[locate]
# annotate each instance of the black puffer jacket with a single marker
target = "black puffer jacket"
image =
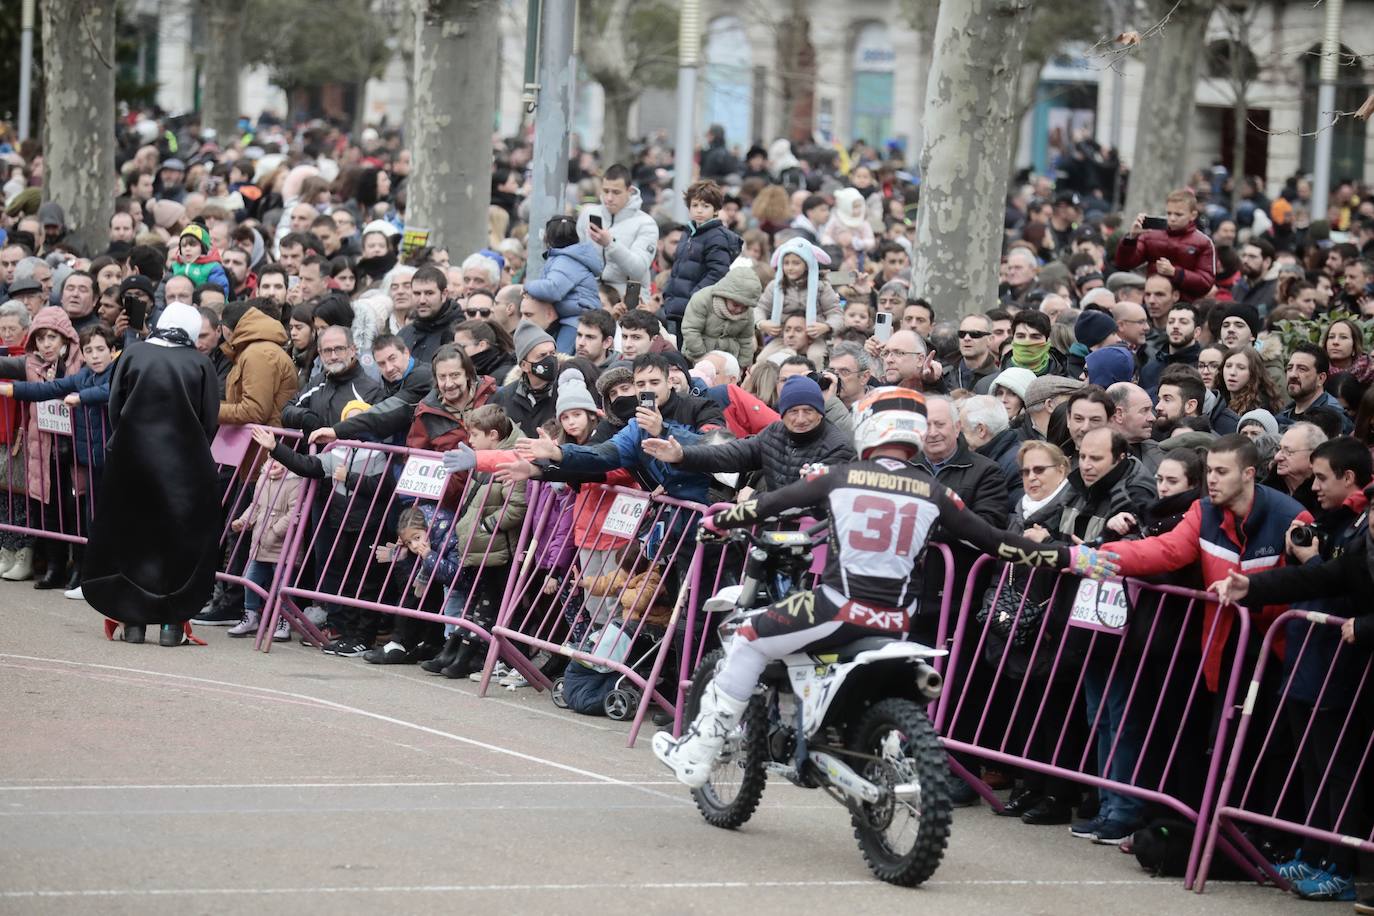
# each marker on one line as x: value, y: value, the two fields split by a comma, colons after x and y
x: 424, y: 336
x: 774, y: 451
x: 703, y: 257
x: 390, y: 417
x: 322, y: 402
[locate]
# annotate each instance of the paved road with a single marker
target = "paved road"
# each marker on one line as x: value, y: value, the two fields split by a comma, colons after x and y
x: 137, y: 779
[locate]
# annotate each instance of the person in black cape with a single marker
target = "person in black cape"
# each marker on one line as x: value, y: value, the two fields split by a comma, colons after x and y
x: 154, y: 540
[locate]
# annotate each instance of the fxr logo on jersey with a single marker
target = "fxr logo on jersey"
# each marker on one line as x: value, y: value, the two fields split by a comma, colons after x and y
x: 872, y: 618
x: 1028, y: 558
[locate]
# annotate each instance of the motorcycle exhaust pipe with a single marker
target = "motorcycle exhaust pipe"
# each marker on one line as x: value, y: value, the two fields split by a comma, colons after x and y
x: 929, y: 681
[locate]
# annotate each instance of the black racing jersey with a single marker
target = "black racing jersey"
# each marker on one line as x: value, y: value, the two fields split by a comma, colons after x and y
x: 881, y: 515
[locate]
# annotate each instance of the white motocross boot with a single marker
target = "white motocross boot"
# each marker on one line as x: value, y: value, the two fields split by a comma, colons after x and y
x: 692, y: 756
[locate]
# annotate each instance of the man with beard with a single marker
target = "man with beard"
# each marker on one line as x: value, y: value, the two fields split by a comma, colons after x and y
x: 1260, y: 282
x: 433, y: 315
x: 153, y: 547
x: 343, y: 380
x: 1181, y: 395
x: 1178, y: 348
x: 242, y: 283
x: 1307, y: 369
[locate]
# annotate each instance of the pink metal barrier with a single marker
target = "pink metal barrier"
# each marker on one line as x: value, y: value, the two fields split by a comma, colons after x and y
x: 344, y: 550
x: 1308, y: 777
x: 52, y: 453
x: 251, y: 506
x: 602, y: 579
x: 1099, y: 684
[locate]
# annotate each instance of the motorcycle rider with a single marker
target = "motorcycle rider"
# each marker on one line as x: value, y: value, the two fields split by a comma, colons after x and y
x: 881, y: 510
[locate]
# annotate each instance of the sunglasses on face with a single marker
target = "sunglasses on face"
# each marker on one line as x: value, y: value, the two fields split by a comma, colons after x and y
x: 974, y: 335
x: 1035, y: 470
x: 477, y: 313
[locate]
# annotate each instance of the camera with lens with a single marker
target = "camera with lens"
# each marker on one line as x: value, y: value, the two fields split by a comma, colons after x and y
x: 1304, y: 536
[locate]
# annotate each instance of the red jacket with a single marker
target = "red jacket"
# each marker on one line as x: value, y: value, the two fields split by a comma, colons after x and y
x: 1213, y: 538
x: 1190, y: 251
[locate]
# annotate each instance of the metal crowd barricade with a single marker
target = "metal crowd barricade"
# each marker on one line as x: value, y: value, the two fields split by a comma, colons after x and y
x: 340, y: 564
x: 244, y: 489
x: 629, y: 546
x: 1021, y: 677
x: 50, y: 475
x: 1310, y: 773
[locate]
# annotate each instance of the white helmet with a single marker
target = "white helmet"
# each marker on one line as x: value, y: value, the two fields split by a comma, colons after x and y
x: 889, y: 416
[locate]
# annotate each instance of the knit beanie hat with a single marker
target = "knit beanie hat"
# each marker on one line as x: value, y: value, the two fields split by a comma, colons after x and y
x: 528, y: 335
x: 1093, y: 327
x: 573, y: 393
x: 1110, y: 365
x: 800, y: 391
x: 1247, y: 313
x: 200, y: 234
x: 1264, y: 418
x: 617, y: 373
x: 1016, y: 380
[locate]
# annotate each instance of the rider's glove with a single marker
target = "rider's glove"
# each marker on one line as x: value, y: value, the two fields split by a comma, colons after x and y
x: 1093, y: 563
x: 462, y: 458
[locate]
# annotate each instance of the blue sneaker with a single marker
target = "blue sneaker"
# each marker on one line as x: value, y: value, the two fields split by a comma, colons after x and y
x: 1112, y: 832
x: 1086, y: 830
x: 1295, y: 869
x: 1326, y: 885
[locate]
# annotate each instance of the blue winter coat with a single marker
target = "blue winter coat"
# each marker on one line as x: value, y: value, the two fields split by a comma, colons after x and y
x: 625, y: 450
x: 569, y: 280
x: 703, y: 257
x: 441, y: 565
x: 90, y: 421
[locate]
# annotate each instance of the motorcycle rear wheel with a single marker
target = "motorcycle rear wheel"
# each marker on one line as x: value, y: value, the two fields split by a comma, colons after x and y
x: 732, y: 794
x: 900, y: 854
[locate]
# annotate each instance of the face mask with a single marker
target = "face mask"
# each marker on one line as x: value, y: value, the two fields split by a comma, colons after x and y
x: 545, y: 368
x: 623, y: 408
x: 1032, y: 356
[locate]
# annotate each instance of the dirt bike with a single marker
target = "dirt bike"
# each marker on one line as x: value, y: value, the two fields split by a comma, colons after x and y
x: 850, y: 721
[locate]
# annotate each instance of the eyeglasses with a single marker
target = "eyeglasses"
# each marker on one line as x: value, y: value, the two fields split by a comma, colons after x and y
x: 477, y: 313
x: 1290, y: 452
x: 1212, y: 366
x: 1133, y: 321
x: 974, y: 335
x: 334, y: 351
x: 844, y: 373
x: 898, y: 354
x: 1036, y: 470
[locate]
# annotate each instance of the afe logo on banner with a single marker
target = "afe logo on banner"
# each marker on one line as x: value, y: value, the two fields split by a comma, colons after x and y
x: 53, y: 417
x: 422, y: 477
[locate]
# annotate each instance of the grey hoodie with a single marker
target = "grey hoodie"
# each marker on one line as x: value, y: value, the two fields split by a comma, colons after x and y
x: 634, y: 245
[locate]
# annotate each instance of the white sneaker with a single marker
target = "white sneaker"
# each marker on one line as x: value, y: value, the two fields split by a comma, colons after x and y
x: 498, y: 674
x: 514, y: 680
x: 74, y: 594
x: 692, y: 756
x: 316, y: 615
x: 247, y: 625
x: 283, y: 631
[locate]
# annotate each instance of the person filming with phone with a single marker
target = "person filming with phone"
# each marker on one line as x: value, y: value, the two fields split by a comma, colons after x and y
x: 1172, y: 246
x: 662, y: 414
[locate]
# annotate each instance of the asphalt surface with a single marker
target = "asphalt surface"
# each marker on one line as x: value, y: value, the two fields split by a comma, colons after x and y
x: 138, y: 779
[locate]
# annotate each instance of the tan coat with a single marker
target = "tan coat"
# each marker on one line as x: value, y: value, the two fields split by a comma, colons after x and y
x: 263, y: 379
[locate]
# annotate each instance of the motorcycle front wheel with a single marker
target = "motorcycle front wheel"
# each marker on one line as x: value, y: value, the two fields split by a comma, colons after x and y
x: 902, y: 839
x: 731, y: 795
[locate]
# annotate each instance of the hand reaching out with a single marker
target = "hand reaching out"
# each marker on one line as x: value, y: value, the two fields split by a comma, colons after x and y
x: 264, y: 438
x: 668, y: 450
x: 1231, y: 589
